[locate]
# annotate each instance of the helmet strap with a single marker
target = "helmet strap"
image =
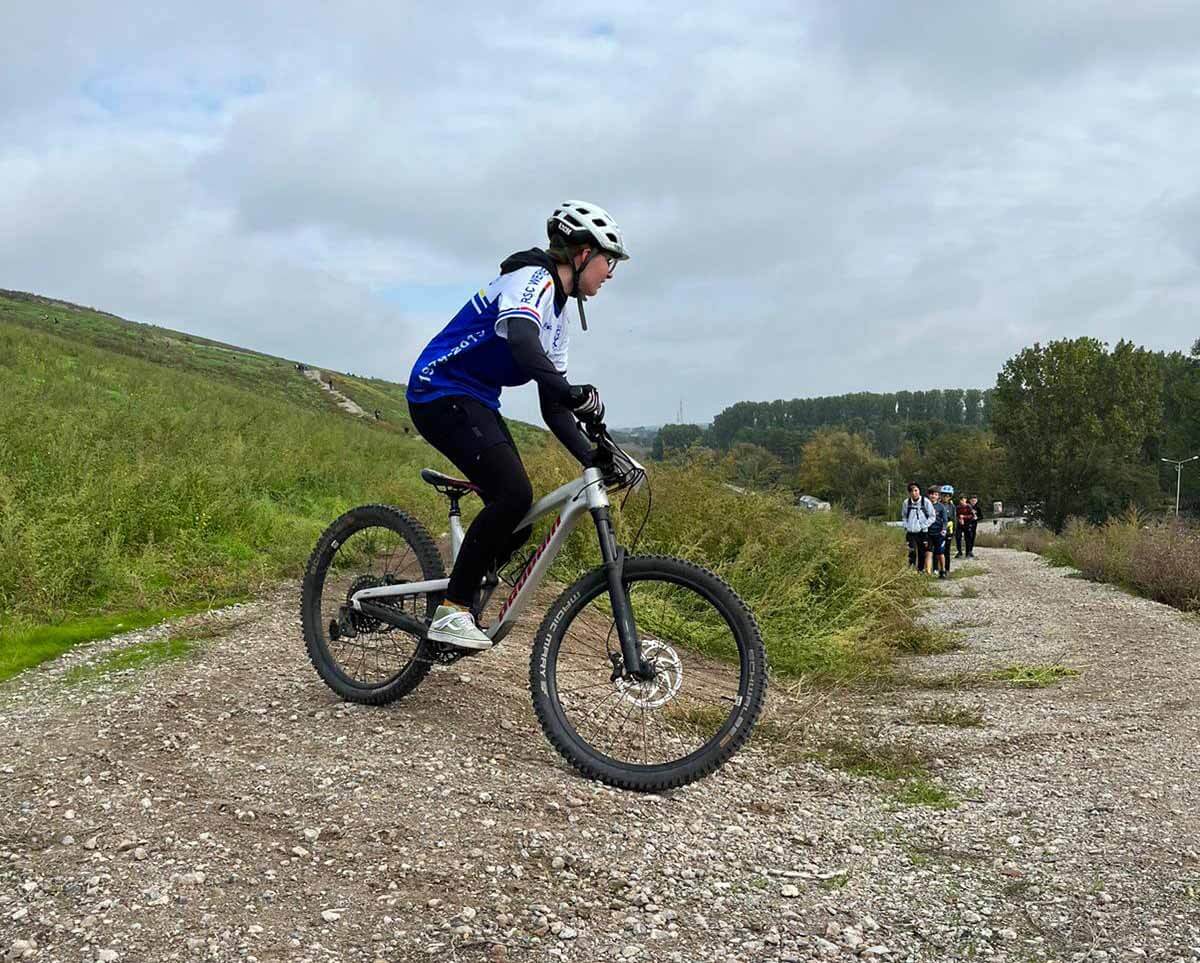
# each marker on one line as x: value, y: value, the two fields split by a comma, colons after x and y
x: 576, y: 271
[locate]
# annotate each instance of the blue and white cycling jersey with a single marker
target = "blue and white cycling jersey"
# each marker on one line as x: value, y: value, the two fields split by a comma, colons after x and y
x: 470, y: 357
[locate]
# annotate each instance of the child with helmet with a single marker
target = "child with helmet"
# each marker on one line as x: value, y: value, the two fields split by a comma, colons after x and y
x: 512, y: 331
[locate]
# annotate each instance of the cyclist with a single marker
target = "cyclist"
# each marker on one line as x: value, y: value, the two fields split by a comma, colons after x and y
x: 511, y: 332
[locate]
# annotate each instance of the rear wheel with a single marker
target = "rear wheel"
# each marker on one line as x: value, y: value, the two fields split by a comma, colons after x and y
x: 359, y: 657
x: 708, y: 689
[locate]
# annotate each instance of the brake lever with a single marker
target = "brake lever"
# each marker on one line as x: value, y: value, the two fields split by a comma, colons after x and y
x: 595, y: 430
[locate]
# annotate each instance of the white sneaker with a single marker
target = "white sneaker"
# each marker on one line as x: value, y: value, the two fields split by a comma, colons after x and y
x: 457, y: 628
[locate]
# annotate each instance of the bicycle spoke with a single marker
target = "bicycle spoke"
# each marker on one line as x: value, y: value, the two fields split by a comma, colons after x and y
x: 689, y: 702
x: 372, y: 556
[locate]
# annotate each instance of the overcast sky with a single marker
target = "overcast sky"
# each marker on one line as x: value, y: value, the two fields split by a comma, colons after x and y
x: 818, y: 197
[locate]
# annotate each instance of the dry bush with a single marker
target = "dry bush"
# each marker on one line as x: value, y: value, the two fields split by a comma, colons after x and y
x: 1026, y: 538
x: 1165, y: 564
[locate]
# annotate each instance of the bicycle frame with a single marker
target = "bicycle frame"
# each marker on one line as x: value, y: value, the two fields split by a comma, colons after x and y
x: 571, y: 501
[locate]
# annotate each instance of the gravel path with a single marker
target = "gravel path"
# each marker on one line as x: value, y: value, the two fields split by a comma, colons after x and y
x: 224, y: 806
x: 346, y: 404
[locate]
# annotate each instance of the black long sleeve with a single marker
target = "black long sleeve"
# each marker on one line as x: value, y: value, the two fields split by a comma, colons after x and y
x: 554, y: 391
x: 527, y: 352
x: 559, y: 420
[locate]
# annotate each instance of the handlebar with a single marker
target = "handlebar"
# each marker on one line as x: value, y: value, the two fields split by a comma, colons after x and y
x: 621, y: 470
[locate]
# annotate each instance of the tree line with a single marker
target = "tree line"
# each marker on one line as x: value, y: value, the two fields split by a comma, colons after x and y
x: 1070, y: 428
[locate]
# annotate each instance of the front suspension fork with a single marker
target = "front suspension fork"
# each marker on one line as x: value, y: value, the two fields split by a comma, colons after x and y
x: 613, y: 556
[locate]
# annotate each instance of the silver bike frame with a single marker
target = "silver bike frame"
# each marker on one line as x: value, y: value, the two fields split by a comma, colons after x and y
x: 571, y: 501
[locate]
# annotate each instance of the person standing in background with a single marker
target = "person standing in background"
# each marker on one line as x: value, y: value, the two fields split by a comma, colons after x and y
x: 937, y: 532
x: 917, y: 513
x: 963, y: 514
x: 973, y: 525
x: 947, y: 504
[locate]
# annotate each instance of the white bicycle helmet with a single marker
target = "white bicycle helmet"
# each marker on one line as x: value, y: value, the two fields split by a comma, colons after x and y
x: 580, y: 222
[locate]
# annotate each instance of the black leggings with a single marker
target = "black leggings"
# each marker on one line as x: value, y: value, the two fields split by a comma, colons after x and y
x: 476, y: 439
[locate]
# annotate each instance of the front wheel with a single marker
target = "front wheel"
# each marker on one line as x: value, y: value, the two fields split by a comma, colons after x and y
x: 709, y: 685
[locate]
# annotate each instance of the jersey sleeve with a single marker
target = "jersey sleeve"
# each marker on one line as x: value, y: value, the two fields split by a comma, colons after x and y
x: 526, y: 294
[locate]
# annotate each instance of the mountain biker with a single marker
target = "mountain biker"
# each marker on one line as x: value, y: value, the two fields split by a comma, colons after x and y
x: 511, y: 332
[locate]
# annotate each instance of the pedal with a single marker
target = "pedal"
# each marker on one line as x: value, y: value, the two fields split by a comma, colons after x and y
x: 447, y: 654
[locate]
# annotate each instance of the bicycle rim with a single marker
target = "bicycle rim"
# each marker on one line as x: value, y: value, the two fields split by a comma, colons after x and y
x: 360, y: 652
x: 705, y: 696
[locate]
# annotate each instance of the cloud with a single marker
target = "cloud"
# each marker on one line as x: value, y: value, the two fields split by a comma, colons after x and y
x: 819, y: 198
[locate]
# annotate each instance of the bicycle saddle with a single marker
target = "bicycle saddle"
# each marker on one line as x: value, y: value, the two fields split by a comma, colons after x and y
x: 447, y: 485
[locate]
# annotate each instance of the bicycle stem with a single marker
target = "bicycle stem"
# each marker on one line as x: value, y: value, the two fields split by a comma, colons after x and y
x: 614, y: 564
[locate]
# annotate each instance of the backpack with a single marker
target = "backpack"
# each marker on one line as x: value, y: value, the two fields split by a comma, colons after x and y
x: 924, y: 501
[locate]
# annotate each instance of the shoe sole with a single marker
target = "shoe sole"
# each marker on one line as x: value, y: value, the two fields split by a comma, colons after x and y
x: 435, y: 636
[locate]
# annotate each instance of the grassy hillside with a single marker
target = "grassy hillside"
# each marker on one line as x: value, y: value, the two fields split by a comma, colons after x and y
x: 145, y: 472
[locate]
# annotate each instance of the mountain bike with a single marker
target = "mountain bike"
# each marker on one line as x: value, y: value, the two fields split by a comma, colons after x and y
x: 647, y: 673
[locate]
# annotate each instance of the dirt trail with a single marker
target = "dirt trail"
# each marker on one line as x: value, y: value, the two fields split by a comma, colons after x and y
x: 226, y: 807
x: 343, y: 402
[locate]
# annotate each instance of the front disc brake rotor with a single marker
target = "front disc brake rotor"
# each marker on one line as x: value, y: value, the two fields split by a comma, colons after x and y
x: 668, y: 677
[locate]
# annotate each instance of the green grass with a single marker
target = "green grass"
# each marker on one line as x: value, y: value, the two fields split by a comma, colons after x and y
x: 23, y: 648
x: 141, y: 656
x: 921, y: 791
x: 1032, y: 676
x: 969, y: 592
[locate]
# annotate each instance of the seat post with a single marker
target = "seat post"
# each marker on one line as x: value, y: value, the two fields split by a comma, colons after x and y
x: 456, y: 529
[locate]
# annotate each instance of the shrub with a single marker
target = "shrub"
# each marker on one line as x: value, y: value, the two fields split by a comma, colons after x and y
x: 1165, y: 565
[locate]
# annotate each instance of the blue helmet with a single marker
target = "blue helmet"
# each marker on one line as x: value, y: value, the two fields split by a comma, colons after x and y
x: 947, y: 489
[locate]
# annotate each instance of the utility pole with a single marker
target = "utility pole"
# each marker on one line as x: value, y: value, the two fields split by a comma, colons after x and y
x: 1178, y: 475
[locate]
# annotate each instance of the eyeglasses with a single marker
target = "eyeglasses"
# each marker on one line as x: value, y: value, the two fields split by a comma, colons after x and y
x: 612, y: 262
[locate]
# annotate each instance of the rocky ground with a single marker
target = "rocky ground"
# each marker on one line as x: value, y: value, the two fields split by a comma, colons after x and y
x: 224, y: 806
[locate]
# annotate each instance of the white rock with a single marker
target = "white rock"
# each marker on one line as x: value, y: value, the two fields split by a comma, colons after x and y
x: 107, y: 956
x: 789, y: 891
x: 330, y: 916
x: 566, y: 933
